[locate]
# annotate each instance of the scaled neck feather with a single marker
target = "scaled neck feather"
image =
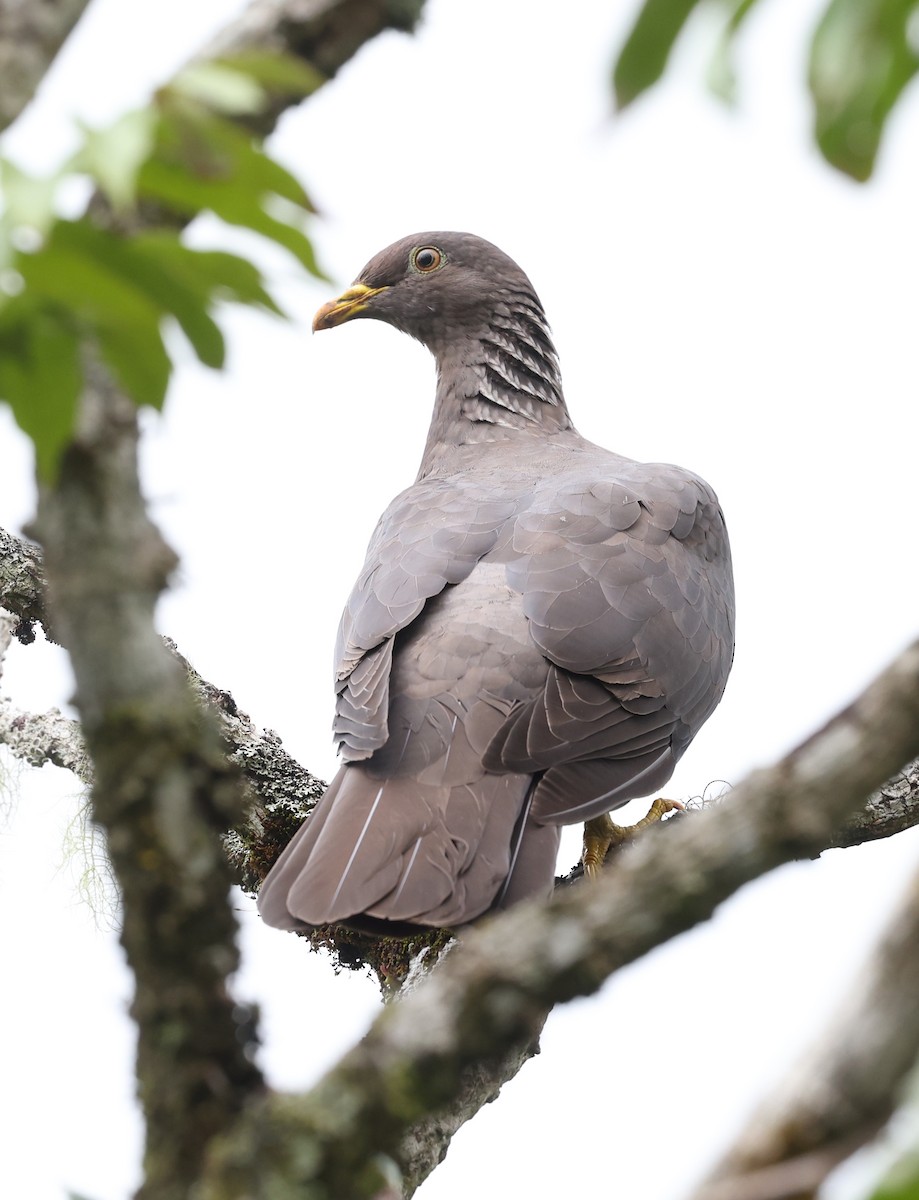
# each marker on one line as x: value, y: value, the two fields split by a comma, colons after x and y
x: 496, y: 382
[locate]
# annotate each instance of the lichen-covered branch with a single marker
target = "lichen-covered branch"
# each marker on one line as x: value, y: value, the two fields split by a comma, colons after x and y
x: 278, y: 781
x: 496, y: 988
x: 49, y: 737
x: 37, y: 738
x: 31, y: 33
x: 426, y: 1143
x: 841, y: 1093
x: 280, y: 793
x: 891, y: 809
x: 163, y: 791
x: 22, y: 584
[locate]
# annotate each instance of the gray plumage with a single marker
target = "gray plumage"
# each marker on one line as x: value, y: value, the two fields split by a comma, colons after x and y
x: 540, y: 628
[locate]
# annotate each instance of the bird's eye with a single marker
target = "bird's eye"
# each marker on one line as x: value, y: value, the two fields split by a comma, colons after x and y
x: 426, y: 259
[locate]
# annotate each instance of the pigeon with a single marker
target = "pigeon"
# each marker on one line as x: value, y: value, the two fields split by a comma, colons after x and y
x: 539, y: 630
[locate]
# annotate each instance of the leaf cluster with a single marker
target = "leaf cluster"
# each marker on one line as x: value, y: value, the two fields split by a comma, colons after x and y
x: 863, y: 53
x: 107, y: 283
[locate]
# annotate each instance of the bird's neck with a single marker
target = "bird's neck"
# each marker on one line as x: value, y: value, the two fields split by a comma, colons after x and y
x: 496, y: 384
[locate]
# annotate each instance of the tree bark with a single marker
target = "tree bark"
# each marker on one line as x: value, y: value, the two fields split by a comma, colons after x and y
x: 163, y: 792
x: 843, y: 1090
x: 31, y: 33
x: 282, y: 793
x: 497, y: 986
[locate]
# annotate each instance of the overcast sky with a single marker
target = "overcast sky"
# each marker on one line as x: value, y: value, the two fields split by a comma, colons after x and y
x: 720, y: 299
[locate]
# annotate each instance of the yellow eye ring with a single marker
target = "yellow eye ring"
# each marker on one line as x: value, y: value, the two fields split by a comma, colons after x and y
x: 426, y: 259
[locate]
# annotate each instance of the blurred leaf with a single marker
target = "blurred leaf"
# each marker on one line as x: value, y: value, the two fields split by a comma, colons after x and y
x: 722, y: 77
x: 138, y: 358
x: 213, y: 149
x: 902, y: 1182
x: 182, y: 292
x: 27, y: 200
x: 205, y: 163
x: 642, y: 59
x: 40, y: 378
x: 113, y: 156
x: 861, y: 60
x: 70, y: 274
x: 65, y: 283
x: 7, y: 249
x: 221, y: 87
x: 159, y: 276
x: 897, y: 1149
x: 67, y: 273
x: 225, y: 276
x: 280, y: 74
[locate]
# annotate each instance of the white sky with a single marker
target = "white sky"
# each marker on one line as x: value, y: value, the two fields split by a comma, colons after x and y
x: 720, y: 299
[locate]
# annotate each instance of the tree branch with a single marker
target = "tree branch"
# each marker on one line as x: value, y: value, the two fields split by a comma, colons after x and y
x: 843, y: 1091
x: 425, y: 1145
x: 325, y: 34
x: 891, y: 809
x: 279, y: 780
x: 22, y: 584
x: 499, y: 984
x: 31, y: 33
x: 163, y: 791
x: 39, y: 738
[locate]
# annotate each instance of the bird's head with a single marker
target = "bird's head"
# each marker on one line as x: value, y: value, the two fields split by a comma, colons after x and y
x: 434, y: 286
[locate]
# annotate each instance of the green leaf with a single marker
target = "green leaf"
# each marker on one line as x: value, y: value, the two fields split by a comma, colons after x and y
x: 41, y: 379
x: 164, y: 279
x: 7, y: 250
x: 28, y: 201
x: 113, y: 156
x: 66, y: 273
x: 722, y: 77
x: 211, y: 148
x: 138, y: 358
x: 224, y: 276
x: 221, y: 87
x: 205, y: 163
x: 902, y: 1181
x: 280, y: 74
x: 861, y: 60
x: 69, y: 274
x: 642, y: 59
x: 236, y: 206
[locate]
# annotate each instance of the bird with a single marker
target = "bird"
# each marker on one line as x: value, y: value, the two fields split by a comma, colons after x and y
x: 540, y: 628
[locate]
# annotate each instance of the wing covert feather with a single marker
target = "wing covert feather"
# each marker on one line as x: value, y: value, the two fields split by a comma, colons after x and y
x: 431, y: 536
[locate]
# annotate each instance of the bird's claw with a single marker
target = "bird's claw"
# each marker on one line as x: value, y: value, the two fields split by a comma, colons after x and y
x: 601, y: 834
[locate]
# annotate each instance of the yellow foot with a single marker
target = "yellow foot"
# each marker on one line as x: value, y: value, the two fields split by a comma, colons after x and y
x: 601, y: 834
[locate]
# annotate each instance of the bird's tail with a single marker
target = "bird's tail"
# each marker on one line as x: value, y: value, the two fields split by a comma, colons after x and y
x: 399, y: 850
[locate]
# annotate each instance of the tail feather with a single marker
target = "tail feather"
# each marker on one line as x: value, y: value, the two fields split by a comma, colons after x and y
x: 398, y: 850
x: 272, y: 897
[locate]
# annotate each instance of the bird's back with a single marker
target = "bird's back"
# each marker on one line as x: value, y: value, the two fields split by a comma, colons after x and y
x: 530, y: 643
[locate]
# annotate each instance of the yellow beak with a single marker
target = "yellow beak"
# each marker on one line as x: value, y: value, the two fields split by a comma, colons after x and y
x: 349, y: 304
